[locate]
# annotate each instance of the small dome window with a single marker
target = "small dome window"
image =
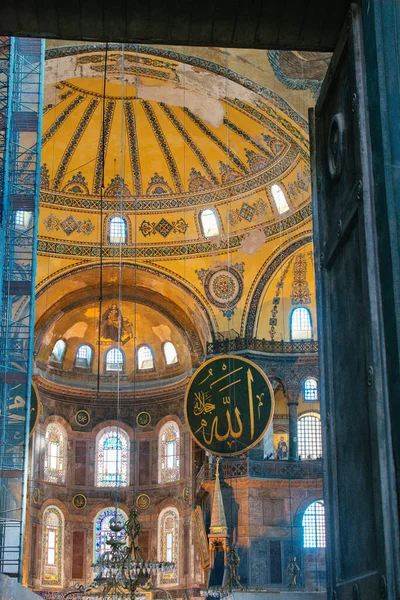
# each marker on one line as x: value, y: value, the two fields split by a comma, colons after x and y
x: 209, y: 223
x: 171, y: 356
x: 117, y: 232
x: 83, y: 356
x: 279, y: 197
x: 145, y: 358
x: 114, y: 360
x: 58, y: 352
x: 310, y: 390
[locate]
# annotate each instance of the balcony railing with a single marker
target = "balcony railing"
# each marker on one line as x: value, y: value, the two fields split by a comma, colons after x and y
x: 269, y: 346
x: 261, y: 469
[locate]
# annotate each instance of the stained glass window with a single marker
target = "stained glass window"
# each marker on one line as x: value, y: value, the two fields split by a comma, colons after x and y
x: 83, y: 356
x: 102, y: 528
x: 117, y: 230
x: 145, y: 358
x: 171, y: 356
x: 54, y: 456
x: 168, y: 535
x: 314, y: 525
x: 58, y: 351
x: 280, y: 199
x: 112, y: 458
x: 114, y: 360
x: 209, y: 223
x: 169, y: 453
x: 52, y: 546
x: 309, y: 437
x: 310, y: 390
x: 300, y: 323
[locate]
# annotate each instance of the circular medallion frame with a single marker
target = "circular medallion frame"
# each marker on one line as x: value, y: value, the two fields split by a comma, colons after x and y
x: 207, y: 407
x: 79, y: 501
x: 143, y: 418
x: 82, y: 418
x: 143, y: 501
x: 336, y: 145
x: 223, y: 287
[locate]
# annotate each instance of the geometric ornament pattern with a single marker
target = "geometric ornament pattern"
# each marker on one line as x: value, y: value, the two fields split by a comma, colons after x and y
x: 223, y: 286
x: 247, y: 212
x: 163, y: 227
x: 68, y: 225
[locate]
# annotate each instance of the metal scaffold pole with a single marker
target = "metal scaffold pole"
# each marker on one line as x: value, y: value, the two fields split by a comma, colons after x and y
x: 21, y: 100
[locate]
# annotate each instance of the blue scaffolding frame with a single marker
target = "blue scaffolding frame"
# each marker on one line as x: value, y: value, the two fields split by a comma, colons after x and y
x: 21, y: 101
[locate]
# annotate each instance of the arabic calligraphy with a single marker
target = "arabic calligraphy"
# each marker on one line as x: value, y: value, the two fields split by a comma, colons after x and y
x: 229, y: 405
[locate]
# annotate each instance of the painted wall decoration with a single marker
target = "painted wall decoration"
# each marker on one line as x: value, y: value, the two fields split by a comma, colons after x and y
x: 300, y: 291
x: 229, y: 404
x: 201, y: 537
x: 68, y: 225
x: 163, y: 227
x: 223, y: 286
x: 114, y: 326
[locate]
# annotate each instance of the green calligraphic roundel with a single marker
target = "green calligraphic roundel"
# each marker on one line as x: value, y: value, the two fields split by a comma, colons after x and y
x: 229, y: 405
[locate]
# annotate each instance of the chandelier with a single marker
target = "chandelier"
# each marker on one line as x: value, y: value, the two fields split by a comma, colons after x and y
x: 121, y: 572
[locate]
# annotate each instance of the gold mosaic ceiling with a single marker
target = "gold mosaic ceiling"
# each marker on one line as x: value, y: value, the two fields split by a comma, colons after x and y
x: 177, y: 136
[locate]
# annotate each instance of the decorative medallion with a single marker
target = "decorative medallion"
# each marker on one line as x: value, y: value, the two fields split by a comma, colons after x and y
x: 229, y: 405
x: 143, y: 501
x: 186, y: 493
x: 79, y: 501
x: 35, y: 410
x: 36, y: 495
x: 82, y: 417
x: 336, y: 145
x: 143, y: 419
x: 223, y: 286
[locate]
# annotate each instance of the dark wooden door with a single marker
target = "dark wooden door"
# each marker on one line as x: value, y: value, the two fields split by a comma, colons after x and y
x: 358, y: 470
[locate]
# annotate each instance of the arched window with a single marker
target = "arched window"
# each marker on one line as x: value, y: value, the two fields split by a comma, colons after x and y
x: 83, y: 357
x: 52, y: 546
x: 309, y: 437
x: 102, y: 529
x: 145, y: 358
x: 112, y: 454
x: 55, y: 454
x: 314, y: 525
x: 300, y: 324
x: 117, y: 230
x: 171, y: 356
x: 280, y: 199
x: 209, y: 223
x: 58, y: 352
x: 115, y: 360
x: 310, y: 390
x: 168, y: 445
x: 168, y: 544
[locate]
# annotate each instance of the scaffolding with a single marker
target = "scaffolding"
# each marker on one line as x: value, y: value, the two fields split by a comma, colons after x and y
x: 21, y: 99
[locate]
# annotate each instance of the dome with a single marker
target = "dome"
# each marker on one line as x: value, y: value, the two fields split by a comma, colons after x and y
x: 176, y: 135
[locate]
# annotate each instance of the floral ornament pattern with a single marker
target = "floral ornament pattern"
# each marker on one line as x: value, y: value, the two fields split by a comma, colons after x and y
x: 223, y: 286
x: 68, y: 225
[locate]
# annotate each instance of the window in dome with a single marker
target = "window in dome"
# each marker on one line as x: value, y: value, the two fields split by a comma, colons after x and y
x: 310, y: 437
x: 115, y: 360
x: 117, y: 233
x: 112, y: 458
x: 102, y: 529
x: 168, y: 536
x: 314, y: 525
x: 54, y: 457
x: 58, y: 351
x: 145, y: 358
x: 52, y: 546
x: 169, y: 453
x: 83, y: 356
x: 301, y: 324
x: 280, y: 199
x: 209, y: 223
x: 171, y: 356
x: 310, y: 390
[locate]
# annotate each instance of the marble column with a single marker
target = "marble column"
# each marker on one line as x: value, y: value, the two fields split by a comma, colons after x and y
x: 292, y: 397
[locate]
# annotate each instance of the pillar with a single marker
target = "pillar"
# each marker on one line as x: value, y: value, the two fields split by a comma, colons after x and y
x: 292, y: 402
